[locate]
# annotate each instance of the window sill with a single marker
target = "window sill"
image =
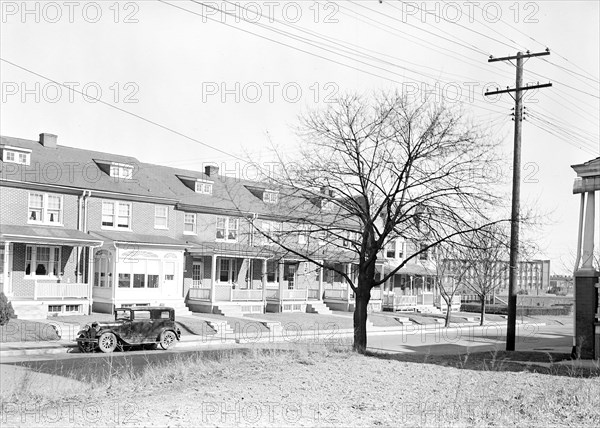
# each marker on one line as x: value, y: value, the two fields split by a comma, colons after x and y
x: 189, y: 233
x: 43, y: 277
x: 122, y: 229
x: 43, y: 223
x: 161, y: 228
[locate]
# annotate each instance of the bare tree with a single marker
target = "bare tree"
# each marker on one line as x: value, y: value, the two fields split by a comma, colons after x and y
x: 378, y: 168
x: 451, y: 268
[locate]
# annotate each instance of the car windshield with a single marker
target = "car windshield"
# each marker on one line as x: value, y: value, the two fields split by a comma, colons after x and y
x: 122, y: 315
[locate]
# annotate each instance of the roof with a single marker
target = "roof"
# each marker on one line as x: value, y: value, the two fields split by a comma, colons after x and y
x: 137, y: 238
x: 79, y: 169
x: 47, y: 235
x: 230, y: 249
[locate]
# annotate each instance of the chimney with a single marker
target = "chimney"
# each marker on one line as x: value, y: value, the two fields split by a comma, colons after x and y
x: 211, y: 170
x: 48, y: 140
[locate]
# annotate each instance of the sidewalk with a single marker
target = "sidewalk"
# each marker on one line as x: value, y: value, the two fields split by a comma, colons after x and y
x: 276, y: 334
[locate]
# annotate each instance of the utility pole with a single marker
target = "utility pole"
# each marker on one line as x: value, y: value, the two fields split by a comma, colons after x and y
x: 516, y: 186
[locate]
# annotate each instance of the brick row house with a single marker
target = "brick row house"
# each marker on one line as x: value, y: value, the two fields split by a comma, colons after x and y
x: 83, y: 230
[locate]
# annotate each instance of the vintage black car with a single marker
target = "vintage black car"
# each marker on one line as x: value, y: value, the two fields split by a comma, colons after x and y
x: 141, y: 325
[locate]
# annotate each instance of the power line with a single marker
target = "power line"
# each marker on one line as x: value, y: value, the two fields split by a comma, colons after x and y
x: 166, y: 128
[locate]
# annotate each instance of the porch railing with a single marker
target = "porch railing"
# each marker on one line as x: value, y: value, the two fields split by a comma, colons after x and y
x: 336, y: 293
x: 440, y: 302
x: 200, y: 293
x: 275, y: 294
x: 425, y: 299
x: 247, y: 294
x: 60, y: 290
x: 376, y: 294
x: 399, y: 300
x: 313, y: 294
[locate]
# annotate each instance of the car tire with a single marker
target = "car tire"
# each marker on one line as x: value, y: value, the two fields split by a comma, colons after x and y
x: 167, y: 339
x: 107, y: 342
x: 85, y: 346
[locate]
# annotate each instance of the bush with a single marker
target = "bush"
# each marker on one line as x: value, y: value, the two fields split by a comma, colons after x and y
x: 521, y: 310
x: 6, y: 310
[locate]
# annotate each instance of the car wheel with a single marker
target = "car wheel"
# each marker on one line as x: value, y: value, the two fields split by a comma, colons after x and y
x: 107, y: 342
x: 84, y: 346
x: 167, y: 338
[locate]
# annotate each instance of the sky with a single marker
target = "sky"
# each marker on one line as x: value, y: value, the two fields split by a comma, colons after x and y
x: 184, y: 83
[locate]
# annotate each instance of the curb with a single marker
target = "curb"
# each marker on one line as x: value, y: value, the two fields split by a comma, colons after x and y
x: 270, y: 337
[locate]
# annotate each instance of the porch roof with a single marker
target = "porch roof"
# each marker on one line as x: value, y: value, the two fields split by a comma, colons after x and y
x: 230, y: 249
x: 120, y: 237
x: 415, y: 269
x: 48, y: 235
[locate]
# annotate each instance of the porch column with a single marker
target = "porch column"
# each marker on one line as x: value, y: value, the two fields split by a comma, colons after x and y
x: 90, y: 279
x: 7, y: 268
x: 588, y: 234
x: 263, y: 280
x: 321, y: 269
x: 281, y: 271
x: 348, y: 270
x: 213, y: 276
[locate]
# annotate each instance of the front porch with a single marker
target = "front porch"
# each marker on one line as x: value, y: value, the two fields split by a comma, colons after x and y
x: 44, y: 270
x: 233, y: 279
x: 338, y: 295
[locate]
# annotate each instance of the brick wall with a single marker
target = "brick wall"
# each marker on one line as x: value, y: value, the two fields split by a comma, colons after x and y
x: 15, y: 203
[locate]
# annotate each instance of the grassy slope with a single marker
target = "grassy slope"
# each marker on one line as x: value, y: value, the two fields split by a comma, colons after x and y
x: 27, y: 331
x: 331, y: 387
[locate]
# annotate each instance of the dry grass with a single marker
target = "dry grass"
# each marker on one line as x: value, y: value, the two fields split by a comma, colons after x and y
x: 309, y: 385
x: 27, y: 331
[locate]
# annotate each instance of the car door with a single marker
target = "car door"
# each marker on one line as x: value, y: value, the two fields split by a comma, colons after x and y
x: 141, y: 326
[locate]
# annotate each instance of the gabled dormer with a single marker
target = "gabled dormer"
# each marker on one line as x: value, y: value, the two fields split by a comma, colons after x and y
x: 117, y: 170
x: 268, y: 196
x: 198, y: 185
x: 18, y: 155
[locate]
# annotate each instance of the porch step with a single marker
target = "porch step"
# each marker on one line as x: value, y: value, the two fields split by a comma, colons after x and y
x: 30, y: 310
x: 228, y: 311
x: 221, y: 328
x: 317, y: 307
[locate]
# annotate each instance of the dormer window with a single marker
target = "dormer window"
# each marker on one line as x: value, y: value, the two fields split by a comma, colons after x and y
x: 16, y: 155
x: 204, y: 186
x: 121, y: 170
x: 326, y: 205
x: 270, y: 196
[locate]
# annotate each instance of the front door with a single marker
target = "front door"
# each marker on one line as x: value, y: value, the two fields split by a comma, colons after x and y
x: 290, y: 275
x: 170, y: 279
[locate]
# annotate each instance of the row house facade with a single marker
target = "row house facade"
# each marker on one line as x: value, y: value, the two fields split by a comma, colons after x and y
x: 83, y: 230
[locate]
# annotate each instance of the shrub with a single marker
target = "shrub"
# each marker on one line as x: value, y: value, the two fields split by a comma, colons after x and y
x: 6, y: 310
x: 521, y: 310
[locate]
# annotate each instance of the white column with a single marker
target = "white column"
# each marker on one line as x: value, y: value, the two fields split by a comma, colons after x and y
x: 213, y: 276
x: 588, y: 234
x: 321, y: 269
x: 7, y: 269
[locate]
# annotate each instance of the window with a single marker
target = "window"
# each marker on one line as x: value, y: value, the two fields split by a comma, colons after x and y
x: 141, y: 315
x: 116, y: 215
x: 227, y: 270
x: 16, y: 155
x: 424, y: 255
x: 54, y: 308
x: 121, y: 170
x: 204, y: 186
x: 270, y: 197
x: 124, y: 280
x: 45, y: 208
x: 152, y: 281
x: 189, y: 223
x: 161, y: 213
x: 139, y: 280
x: 301, y: 239
x: 272, y: 271
x: 72, y: 308
x: 227, y: 228
x: 390, y: 251
x: 42, y: 261
x: 272, y: 230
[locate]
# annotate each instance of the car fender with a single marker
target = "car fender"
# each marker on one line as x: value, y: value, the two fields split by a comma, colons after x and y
x: 110, y: 330
x: 174, y: 330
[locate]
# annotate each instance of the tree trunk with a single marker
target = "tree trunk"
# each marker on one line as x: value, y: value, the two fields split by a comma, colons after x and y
x: 448, y: 307
x: 360, y: 321
x: 482, y: 313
